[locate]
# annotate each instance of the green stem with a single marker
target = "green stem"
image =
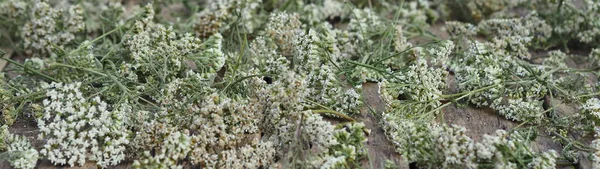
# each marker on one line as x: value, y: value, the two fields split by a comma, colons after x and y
x: 149, y: 102
x: 30, y: 95
x: 588, y: 95
x: 242, y: 79
x: 459, y: 98
x: 98, y: 93
x: 343, y: 116
x: 320, y: 105
x: 367, y: 66
x: 404, y: 51
x: 94, y: 40
x: 576, y: 144
x: 121, y: 86
x: 29, y: 69
x: 468, y: 92
x: 81, y: 68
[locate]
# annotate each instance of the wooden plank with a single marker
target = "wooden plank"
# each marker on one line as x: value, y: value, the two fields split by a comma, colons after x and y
x: 379, y: 147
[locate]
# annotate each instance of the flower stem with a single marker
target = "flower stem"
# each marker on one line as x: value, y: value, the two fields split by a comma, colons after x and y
x: 343, y: 116
x: 29, y: 69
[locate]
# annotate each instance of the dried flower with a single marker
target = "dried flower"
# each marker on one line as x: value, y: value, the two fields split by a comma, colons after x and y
x: 77, y: 129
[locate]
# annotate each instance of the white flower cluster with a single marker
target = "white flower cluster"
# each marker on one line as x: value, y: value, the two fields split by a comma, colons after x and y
x: 416, y: 13
x: 290, y: 126
x: 432, y: 145
x: 316, y: 13
x: 218, y: 125
x: 456, y: 146
x: 486, y: 67
x: 179, y: 92
x: 515, y: 35
x: 572, y: 20
x: 21, y: 154
x: 311, y: 54
x: 153, y: 43
x: 346, y: 44
x: 556, y: 59
x: 159, y: 56
x: 519, y: 109
x: 595, y: 145
x: 77, y: 129
x: 400, y: 40
x: 13, y: 8
x: 49, y: 26
x: 3, y: 135
x: 593, y: 32
x: 594, y: 57
x: 176, y: 146
x: 592, y: 106
x: 307, y: 52
x: 282, y: 103
x: 334, y: 163
x: 501, y: 148
x: 212, y: 56
x: 414, y: 92
x: 266, y: 58
x: 422, y: 141
x: 460, y: 29
x: 35, y: 63
x: 325, y: 87
x: 283, y: 28
x: 329, y: 146
x: 477, y: 10
x: 547, y: 160
x: 100, y: 11
x: 261, y: 155
x: 317, y: 131
x: 280, y: 99
x: 441, y: 53
x: 364, y: 23
x: 541, y: 31
x: 244, y: 13
x: 351, y: 138
x: 348, y: 150
x: 424, y: 83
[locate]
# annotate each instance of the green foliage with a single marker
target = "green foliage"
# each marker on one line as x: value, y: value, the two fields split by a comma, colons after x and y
x: 257, y: 84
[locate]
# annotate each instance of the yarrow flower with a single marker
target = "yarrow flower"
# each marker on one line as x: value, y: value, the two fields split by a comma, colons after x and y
x: 592, y: 106
x: 50, y: 26
x: 77, y: 129
x: 13, y: 8
x: 21, y: 154
x: 414, y: 92
x: 594, y: 57
x: 176, y: 146
x: 596, y: 149
x: 432, y: 145
x: 478, y: 10
x: 516, y: 34
x: 257, y: 83
x: 519, y: 109
x: 485, y: 67
x: 501, y: 148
